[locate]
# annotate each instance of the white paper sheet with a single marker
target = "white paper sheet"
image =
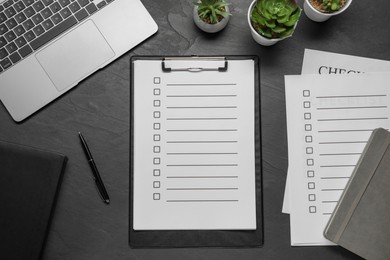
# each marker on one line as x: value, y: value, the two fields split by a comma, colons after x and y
x: 327, y: 63
x: 329, y: 120
x: 194, y: 147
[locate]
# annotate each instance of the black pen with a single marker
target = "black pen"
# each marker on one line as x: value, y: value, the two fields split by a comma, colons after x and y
x: 98, y: 180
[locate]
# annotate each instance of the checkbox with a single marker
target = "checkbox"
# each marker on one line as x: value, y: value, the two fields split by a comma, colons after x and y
x: 156, y: 149
x: 308, y: 127
x: 157, y: 92
x: 156, y: 160
x: 313, y: 209
x: 156, y: 172
x: 156, y: 196
x: 156, y: 80
x: 306, y: 104
x: 156, y: 126
x: 312, y: 197
x: 156, y: 114
x: 156, y: 103
x: 310, y: 173
x: 309, y: 150
x: 156, y: 137
x: 156, y: 184
x: 310, y: 162
x: 311, y: 185
x: 307, y: 116
x: 308, y: 139
x: 306, y: 93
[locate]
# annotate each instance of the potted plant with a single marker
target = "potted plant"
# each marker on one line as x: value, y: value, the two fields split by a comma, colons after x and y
x: 273, y: 20
x: 211, y: 15
x: 322, y: 10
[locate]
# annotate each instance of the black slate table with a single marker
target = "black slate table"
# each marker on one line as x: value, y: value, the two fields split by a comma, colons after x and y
x: 84, y: 227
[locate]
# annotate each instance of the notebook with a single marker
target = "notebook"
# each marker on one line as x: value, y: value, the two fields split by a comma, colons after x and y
x: 328, y: 123
x: 47, y: 47
x: 29, y: 183
x: 360, y: 221
x: 195, y: 155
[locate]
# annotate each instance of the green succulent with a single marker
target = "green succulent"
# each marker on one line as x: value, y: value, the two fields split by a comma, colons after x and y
x: 211, y: 11
x: 331, y: 5
x: 275, y: 18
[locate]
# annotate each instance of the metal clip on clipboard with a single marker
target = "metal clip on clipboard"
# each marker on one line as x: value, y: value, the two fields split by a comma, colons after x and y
x: 167, y: 66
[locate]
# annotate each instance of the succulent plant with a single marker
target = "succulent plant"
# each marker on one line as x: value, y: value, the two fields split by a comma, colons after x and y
x: 331, y: 5
x: 211, y: 11
x: 275, y: 18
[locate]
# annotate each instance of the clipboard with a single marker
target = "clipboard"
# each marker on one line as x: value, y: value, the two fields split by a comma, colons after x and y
x: 192, y: 237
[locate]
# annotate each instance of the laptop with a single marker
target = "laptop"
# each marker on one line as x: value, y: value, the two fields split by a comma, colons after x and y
x: 48, y: 46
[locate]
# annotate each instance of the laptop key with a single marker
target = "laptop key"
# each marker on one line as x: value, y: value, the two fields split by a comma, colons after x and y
x: 37, y: 18
x: 38, y: 30
x: 65, y: 12
x: 10, y: 36
x: 10, y: 12
x: 83, y: 3
x: 28, y: 2
x: 47, y: 24
x: 3, y: 53
x: 3, y: 29
x: 91, y: 8
x: 8, y: 3
x: 11, y: 23
x: 11, y: 47
x: 29, y: 11
x: 47, y: 2
x: 19, y: 30
x: 3, y: 42
x: 15, y: 57
x: 20, y: 17
x: 3, y: 18
x: 29, y: 36
x: 64, y: 3
x: 101, y: 4
x: 54, y: 32
x: 28, y: 25
x: 6, y: 63
x: 46, y: 13
x: 19, y: 6
x: 55, y: 7
x: 20, y: 42
x: 56, y: 18
x: 74, y: 7
x: 26, y: 50
x: 81, y: 15
x: 38, y: 6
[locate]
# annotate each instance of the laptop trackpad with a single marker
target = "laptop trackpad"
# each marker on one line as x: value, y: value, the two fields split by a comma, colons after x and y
x: 74, y: 56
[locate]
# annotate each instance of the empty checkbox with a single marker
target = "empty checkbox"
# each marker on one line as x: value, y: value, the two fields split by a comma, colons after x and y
x: 156, y: 196
x: 156, y: 91
x: 306, y: 104
x: 156, y: 114
x: 307, y: 127
x: 310, y: 173
x: 156, y: 172
x: 306, y: 93
x: 307, y: 116
x: 156, y: 103
x: 156, y: 80
x: 308, y: 139
x: 310, y: 162
x: 311, y: 185
x: 156, y: 160
x: 312, y: 209
x: 156, y: 184
x: 156, y: 137
x: 156, y: 126
x: 309, y: 150
x: 156, y: 149
x: 312, y: 197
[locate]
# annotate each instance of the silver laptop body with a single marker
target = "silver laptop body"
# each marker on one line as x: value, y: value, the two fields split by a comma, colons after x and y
x: 111, y: 29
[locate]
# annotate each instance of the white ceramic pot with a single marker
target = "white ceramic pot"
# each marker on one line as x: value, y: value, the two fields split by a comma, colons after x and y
x: 210, y: 28
x: 318, y: 16
x: 259, y: 38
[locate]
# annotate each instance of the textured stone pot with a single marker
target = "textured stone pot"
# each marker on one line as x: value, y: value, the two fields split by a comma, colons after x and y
x: 317, y: 16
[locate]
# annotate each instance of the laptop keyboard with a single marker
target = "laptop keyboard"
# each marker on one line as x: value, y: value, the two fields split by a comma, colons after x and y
x: 27, y: 25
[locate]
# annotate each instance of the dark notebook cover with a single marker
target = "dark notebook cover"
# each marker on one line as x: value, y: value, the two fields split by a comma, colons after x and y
x: 361, y: 219
x: 29, y: 181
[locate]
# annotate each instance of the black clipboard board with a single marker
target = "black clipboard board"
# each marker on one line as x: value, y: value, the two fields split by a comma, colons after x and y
x: 200, y: 238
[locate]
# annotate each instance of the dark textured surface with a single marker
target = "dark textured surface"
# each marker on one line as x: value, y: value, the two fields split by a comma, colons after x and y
x: 84, y: 227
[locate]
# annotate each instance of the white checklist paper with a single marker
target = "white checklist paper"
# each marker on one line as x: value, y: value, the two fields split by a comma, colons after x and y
x: 329, y: 121
x: 328, y: 63
x: 194, y: 147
